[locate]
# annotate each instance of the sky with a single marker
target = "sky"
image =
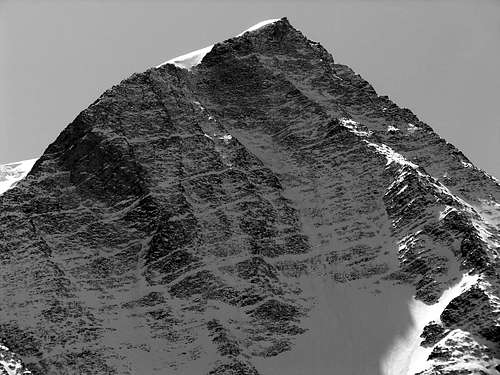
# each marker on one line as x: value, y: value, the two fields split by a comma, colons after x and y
x: 439, y: 58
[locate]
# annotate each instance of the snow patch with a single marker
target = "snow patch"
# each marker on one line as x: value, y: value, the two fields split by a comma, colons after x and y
x: 391, y: 128
x: 446, y: 211
x: 12, y: 173
x: 402, y: 189
x: 412, y: 128
x: 405, y: 242
x: 391, y: 155
x: 258, y: 26
x: 10, y: 363
x: 407, y: 356
x: 189, y: 60
x: 354, y: 127
x: 466, y: 165
x: 460, y: 344
x: 198, y: 104
x: 226, y: 138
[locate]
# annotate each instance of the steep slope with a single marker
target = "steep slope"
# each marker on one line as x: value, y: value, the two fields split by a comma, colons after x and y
x: 253, y: 208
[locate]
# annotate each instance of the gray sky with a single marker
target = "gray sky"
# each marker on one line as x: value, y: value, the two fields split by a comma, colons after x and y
x: 438, y: 58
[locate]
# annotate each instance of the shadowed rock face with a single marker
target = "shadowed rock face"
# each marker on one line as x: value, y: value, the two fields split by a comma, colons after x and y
x: 264, y: 213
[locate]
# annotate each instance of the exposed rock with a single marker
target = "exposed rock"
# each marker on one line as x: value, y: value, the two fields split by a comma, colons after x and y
x: 252, y: 215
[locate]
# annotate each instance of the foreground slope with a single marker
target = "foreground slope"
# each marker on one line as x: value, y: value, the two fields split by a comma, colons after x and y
x: 256, y: 209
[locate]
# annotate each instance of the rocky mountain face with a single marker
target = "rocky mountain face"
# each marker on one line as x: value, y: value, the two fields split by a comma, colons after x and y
x: 252, y: 209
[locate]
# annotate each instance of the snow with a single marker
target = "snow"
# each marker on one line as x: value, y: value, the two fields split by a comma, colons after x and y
x: 466, y: 165
x: 446, y: 211
x: 412, y: 128
x: 463, y: 344
x: 198, y: 104
x: 258, y: 26
x: 391, y: 155
x: 10, y: 364
x: 407, y: 356
x: 191, y: 59
x: 391, y: 128
x: 226, y: 138
x: 490, y: 212
x: 402, y: 189
x: 12, y: 173
x: 407, y: 241
x: 354, y: 127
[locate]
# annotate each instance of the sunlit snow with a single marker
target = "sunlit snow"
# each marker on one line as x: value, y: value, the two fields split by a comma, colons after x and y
x: 466, y: 165
x: 9, y: 363
x: 189, y: 60
x: 407, y: 356
x: 226, y: 138
x: 258, y: 26
x: 412, y: 128
x: 354, y: 127
x: 11, y: 173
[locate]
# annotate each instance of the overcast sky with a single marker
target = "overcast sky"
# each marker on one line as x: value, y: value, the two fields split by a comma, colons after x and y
x: 441, y: 59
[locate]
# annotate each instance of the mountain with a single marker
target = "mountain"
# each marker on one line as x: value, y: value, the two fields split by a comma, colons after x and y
x: 252, y: 208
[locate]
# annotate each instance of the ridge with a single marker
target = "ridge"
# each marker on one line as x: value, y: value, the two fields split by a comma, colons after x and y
x: 191, y: 59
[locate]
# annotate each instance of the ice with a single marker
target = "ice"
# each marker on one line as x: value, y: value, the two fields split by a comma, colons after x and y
x: 391, y: 155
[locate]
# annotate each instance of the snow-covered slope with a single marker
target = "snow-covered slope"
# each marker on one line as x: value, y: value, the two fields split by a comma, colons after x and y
x: 251, y: 209
x: 11, y: 173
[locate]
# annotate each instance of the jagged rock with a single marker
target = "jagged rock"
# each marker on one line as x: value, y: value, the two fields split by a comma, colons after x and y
x: 432, y: 333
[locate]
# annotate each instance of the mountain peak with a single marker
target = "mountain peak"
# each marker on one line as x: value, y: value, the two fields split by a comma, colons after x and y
x: 191, y: 59
x: 261, y: 210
